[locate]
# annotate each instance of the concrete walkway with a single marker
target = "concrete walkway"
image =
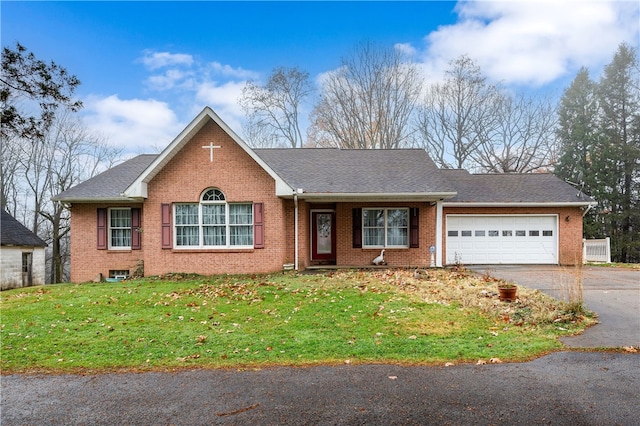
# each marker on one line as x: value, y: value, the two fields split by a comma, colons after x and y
x: 613, y: 293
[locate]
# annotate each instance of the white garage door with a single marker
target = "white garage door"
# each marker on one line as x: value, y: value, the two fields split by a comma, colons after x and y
x: 488, y: 239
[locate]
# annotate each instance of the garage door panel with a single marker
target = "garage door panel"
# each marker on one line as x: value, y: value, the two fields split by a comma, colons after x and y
x: 491, y: 239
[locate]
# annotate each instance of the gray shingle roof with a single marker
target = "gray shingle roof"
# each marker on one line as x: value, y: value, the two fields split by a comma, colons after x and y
x: 512, y: 188
x: 13, y: 233
x: 357, y: 171
x: 109, y: 185
x: 335, y: 171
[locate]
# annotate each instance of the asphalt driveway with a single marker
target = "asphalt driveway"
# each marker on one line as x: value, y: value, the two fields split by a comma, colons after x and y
x: 613, y: 293
x: 570, y: 388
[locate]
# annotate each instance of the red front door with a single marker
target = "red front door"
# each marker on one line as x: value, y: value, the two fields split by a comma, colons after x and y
x: 323, y: 236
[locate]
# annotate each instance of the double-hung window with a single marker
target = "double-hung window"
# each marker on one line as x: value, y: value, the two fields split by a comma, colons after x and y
x: 119, y: 228
x: 385, y: 227
x: 213, y: 223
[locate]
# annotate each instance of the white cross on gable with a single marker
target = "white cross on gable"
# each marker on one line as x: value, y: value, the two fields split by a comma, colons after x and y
x: 211, y: 147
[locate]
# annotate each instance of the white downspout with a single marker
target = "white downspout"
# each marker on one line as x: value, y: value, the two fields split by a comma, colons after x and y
x: 439, y: 234
x: 295, y: 231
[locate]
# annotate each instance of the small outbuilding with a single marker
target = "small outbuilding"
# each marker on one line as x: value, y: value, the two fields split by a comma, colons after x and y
x: 22, y: 255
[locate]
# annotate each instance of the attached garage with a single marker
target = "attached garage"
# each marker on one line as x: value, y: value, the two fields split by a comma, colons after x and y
x: 502, y: 239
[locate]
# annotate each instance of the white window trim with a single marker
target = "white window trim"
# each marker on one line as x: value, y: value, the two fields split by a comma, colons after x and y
x: 385, y: 209
x: 201, y: 226
x: 110, y: 228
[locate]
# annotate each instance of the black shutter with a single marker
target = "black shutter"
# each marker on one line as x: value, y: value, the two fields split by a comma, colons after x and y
x: 414, y: 227
x: 357, y: 228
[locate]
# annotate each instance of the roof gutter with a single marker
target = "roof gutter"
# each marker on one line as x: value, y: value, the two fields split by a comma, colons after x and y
x: 528, y: 204
x: 368, y: 196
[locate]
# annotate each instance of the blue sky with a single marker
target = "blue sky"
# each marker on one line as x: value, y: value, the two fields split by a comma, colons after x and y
x: 147, y: 68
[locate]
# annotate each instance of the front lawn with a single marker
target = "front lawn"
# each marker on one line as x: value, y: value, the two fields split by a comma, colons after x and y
x: 183, y: 321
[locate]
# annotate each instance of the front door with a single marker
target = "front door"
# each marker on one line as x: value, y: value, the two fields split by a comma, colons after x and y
x: 323, y: 236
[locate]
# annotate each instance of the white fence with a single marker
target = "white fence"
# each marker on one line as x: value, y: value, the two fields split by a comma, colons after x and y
x: 596, y: 250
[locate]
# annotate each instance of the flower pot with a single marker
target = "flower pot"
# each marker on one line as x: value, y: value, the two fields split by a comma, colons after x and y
x: 507, y: 294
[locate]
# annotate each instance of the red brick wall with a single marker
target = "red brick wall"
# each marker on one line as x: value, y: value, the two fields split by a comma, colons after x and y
x: 569, y: 227
x: 184, y: 179
x: 86, y: 260
x: 349, y: 256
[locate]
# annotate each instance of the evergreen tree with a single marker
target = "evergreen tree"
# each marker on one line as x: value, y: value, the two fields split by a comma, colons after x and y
x: 618, y: 159
x: 578, y: 136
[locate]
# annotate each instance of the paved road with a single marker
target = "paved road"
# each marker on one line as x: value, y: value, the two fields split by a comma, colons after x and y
x: 571, y: 388
x: 613, y: 293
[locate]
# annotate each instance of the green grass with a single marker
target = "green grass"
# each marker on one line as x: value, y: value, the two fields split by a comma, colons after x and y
x: 184, y: 321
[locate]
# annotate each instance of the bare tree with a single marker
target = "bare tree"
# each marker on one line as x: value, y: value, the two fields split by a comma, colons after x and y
x: 521, y: 139
x: 74, y: 155
x: 273, y: 109
x: 454, y: 110
x: 367, y: 102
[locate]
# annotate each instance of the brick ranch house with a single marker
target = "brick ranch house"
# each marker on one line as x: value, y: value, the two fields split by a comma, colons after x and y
x: 210, y: 204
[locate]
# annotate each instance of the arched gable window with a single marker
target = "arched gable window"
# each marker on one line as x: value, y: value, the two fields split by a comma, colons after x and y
x: 213, y: 222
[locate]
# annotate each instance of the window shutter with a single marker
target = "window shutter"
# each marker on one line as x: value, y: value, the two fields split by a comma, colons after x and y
x: 357, y: 228
x: 414, y: 227
x: 102, y: 229
x: 166, y: 225
x: 136, y: 223
x: 258, y: 225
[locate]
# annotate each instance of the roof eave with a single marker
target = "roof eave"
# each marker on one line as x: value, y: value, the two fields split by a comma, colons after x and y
x: 373, y: 197
x: 85, y: 200
x: 519, y: 204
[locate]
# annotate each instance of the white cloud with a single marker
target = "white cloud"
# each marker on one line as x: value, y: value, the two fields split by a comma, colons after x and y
x: 229, y: 71
x: 535, y: 42
x: 154, y: 60
x: 406, y: 48
x: 137, y: 125
x: 223, y: 98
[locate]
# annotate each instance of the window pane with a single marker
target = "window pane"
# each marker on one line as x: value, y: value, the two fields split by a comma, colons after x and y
x: 521, y: 233
x: 120, y: 218
x: 121, y: 237
x: 213, y: 195
x: 534, y: 233
x: 547, y: 233
x: 452, y: 233
x: 214, y: 235
x: 373, y: 236
x: 397, y: 218
x: 186, y: 214
x: 373, y: 217
x: 241, y: 235
x: 507, y: 233
x: 213, y: 214
x: 241, y: 214
x: 187, y: 236
x: 466, y: 233
x: 397, y: 236
x: 479, y: 233
x: 494, y: 233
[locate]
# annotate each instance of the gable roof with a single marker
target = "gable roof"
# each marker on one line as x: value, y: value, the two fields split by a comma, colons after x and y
x: 109, y: 185
x: 399, y: 174
x: 138, y: 188
x: 13, y: 233
x: 509, y: 189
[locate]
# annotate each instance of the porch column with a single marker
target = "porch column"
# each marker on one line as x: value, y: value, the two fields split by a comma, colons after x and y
x: 439, y: 253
